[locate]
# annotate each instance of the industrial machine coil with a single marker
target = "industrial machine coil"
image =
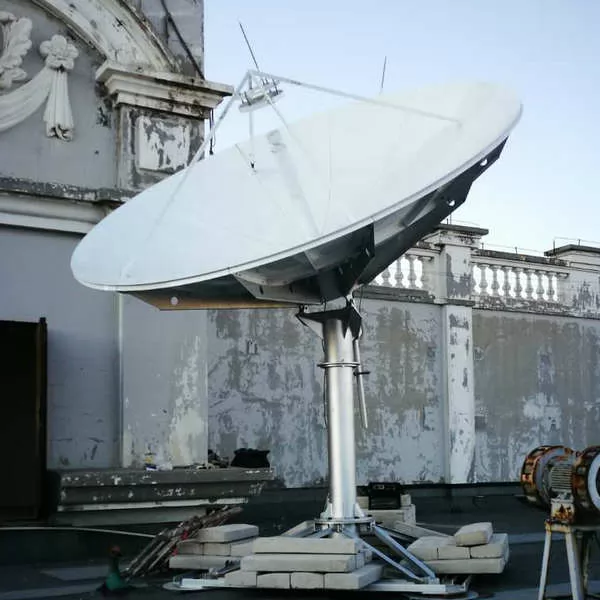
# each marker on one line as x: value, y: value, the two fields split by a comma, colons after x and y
x: 565, y: 481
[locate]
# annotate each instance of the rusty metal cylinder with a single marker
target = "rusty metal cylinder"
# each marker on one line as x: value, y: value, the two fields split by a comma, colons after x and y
x: 551, y: 472
x: 537, y: 470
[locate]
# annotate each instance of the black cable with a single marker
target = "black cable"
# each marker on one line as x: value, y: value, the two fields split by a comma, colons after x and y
x: 211, y: 124
x: 182, y: 41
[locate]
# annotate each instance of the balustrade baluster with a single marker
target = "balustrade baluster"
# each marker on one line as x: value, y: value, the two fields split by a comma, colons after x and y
x: 412, y: 275
x: 399, y: 275
x: 385, y: 277
x: 495, y: 284
x: 426, y: 264
x: 529, y: 284
x: 540, y: 285
x: 506, y: 283
x: 518, y: 286
x: 483, y: 284
x: 551, y: 289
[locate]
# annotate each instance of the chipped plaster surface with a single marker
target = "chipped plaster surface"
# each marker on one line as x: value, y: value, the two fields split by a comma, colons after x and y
x: 82, y: 350
x: 460, y: 408
x: 162, y: 145
x: 537, y: 381
x: 265, y: 391
x: 164, y: 386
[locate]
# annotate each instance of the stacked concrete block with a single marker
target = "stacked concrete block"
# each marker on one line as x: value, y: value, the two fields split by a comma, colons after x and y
x: 475, y: 534
x: 473, y: 549
x: 215, y: 547
x: 306, y: 563
x: 388, y: 518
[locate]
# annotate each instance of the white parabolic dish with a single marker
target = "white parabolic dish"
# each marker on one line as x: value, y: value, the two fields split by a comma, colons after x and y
x: 314, y: 185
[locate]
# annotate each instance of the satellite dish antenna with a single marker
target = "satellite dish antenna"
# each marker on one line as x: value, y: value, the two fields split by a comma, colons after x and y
x: 325, y: 205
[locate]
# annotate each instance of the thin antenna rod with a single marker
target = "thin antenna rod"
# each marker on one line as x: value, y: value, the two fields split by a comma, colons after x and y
x: 383, y: 75
x: 249, y: 46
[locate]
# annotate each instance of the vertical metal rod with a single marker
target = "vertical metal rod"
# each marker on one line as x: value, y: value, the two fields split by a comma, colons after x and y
x: 360, y: 388
x: 340, y: 412
x: 574, y: 569
x: 545, y: 559
x: 584, y: 561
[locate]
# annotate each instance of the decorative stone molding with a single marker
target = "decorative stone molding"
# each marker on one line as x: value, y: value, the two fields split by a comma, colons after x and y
x: 49, y: 84
x: 115, y: 29
x: 161, y: 117
x: 16, y: 44
x: 165, y: 92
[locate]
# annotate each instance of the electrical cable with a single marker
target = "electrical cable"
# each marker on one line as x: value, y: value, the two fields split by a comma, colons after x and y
x: 181, y: 39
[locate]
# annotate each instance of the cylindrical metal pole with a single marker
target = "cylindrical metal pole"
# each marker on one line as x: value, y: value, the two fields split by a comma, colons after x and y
x: 339, y: 361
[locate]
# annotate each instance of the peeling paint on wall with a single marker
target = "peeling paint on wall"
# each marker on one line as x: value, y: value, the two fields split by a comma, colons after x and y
x: 162, y: 145
x: 538, y: 379
x: 460, y: 424
x: 165, y: 408
x: 265, y: 391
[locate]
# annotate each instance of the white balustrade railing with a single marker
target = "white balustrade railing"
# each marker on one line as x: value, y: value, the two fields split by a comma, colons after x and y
x: 412, y: 271
x: 518, y: 281
x: 499, y: 279
x: 492, y: 277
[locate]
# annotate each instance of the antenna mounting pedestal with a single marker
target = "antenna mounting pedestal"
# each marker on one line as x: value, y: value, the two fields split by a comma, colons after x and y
x: 340, y: 330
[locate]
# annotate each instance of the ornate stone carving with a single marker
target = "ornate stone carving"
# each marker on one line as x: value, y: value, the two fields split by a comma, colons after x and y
x: 15, y: 45
x: 60, y: 57
x: 50, y: 84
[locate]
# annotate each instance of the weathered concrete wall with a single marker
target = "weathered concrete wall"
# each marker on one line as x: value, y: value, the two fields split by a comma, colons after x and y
x: 189, y: 17
x: 164, y: 385
x: 265, y: 391
x: 124, y: 379
x: 537, y: 381
x: 87, y: 160
x: 36, y: 282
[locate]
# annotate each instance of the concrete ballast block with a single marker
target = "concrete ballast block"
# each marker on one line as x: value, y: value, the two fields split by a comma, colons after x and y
x: 243, y: 548
x: 475, y: 534
x: 199, y: 562
x: 426, y: 548
x: 229, y: 549
x: 317, y: 563
x: 307, y: 581
x: 289, y: 545
x: 227, y: 533
x: 275, y: 581
x: 405, y: 500
x: 468, y: 566
x: 452, y: 552
x: 387, y: 518
x: 356, y: 580
x: 240, y: 579
x: 190, y: 547
x: 497, y: 547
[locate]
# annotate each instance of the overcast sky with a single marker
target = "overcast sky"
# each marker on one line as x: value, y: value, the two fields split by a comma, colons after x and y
x: 548, y: 51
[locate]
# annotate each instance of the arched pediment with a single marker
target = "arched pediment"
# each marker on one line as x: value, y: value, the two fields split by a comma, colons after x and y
x: 115, y: 29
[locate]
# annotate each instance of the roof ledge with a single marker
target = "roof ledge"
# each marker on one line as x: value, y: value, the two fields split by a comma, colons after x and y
x: 167, y: 92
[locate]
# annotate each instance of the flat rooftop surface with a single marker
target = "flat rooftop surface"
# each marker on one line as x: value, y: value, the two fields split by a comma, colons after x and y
x: 525, y: 526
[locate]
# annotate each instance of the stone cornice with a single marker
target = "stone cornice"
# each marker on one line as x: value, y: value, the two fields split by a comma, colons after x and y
x: 165, y: 92
x: 55, y: 207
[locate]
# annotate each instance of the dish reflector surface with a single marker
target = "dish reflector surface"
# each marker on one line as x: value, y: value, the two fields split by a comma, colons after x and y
x: 308, y: 210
